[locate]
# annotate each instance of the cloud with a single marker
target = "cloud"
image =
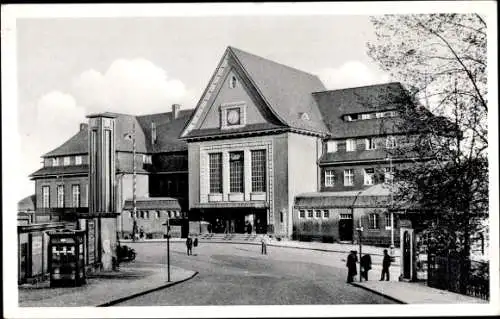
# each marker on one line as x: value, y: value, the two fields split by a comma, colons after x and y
x: 54, y: 118
x: 130, y: 86
x: 351, y: 74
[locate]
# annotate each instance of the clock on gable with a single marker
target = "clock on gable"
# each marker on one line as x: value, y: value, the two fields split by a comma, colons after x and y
x: 233, y: 116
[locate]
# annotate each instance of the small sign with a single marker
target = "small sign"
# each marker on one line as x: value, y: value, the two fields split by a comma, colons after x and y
x: 406, y: 223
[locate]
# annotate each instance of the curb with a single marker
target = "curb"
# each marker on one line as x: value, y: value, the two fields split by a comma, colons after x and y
x: 378, y: 293
x: 170, y: 284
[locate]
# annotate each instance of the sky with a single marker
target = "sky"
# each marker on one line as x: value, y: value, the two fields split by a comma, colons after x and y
x: 70, y: 67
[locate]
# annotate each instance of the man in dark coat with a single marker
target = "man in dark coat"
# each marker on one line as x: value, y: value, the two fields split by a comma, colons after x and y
x: 366, y: 265
x: 386, y: 263
x: 352, y: 259
x: 189, y: 245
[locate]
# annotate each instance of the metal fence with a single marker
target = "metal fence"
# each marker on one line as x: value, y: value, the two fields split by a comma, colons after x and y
x: 445, y: 272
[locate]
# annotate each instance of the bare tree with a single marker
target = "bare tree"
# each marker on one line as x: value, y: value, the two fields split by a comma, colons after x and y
x: 442, y: 60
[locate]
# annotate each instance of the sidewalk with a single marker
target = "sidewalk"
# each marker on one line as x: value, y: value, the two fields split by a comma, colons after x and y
x: 415, y: 293
x: 104, y: 288
x: 375, y: 252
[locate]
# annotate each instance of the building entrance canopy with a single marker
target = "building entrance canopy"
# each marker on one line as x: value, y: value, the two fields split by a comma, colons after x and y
x: 236, y: 220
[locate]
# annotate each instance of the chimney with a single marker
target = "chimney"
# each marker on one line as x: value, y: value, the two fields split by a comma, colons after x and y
x: 84, y: 126
x: 176, y: 108
x: 153, y: 132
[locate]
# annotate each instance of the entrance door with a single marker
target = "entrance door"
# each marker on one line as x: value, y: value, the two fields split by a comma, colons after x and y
x: 345, y: 229
x: 406, y: 255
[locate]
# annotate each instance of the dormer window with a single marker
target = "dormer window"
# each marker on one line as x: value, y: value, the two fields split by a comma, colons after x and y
x: 370, y: 143
x: 331, y: 146
x: 55, y: 161
x: 233, y: 82
x: 78, y: 160
x: 66, y: 161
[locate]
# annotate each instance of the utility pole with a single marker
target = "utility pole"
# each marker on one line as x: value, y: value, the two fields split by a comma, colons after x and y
x: 167, y: 223
x: 134, y: 186
x: 360, y: 233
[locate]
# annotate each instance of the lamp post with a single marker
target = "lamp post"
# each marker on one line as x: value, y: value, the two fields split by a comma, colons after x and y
x: 391, y: 206
x: 167, y: 223
x: 360, y: 233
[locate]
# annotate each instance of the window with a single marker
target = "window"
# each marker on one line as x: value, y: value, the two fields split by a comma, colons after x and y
x: 373, y: 221
x: 66, y: 160
x: 60, y: 196
x: 326, y: 214
x: 75, y: 195
x: 146, y: 159
x: 350, y: 145
x: 258, y: 171
x: 329, y: 177
x: 78, y: 160
x: 55, y: 161
x: 345, y: 216
x: 348, y: 177
x: 232, y: 82
x: 370, y: 143
x: 390, y: 142
x: 351, y: 117
x: 157, y: 215
x: 366, y: 116
x: 318, y: 214
x: 215, y: 172
x: 146, y: 214
x: 45, y: 196
x: 310, y: 213
x: 236, y: 172
x: 369, y: 176
x: 302, y: 214
x: 331, y: 146
x: 387, y: 221
x: 281, y: 217
x: 389, y: 175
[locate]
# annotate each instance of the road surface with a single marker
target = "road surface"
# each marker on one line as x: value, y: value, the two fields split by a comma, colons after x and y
x: 237, y: 274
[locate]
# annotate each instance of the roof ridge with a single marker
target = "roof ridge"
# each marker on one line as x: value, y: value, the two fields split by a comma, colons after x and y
x: 272, y: 61
x: 359, y: 87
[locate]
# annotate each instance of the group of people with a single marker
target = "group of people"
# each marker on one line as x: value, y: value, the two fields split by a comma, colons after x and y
x: 366, y: 265
x: 190, y: 243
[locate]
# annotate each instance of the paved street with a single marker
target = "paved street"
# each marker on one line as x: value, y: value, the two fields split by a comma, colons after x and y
x: 234, y: 274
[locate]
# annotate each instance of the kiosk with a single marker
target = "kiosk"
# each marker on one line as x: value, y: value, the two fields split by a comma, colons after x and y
x: 67, y: 258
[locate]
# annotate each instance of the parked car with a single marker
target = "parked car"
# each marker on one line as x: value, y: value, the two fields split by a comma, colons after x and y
x: 125, y: 253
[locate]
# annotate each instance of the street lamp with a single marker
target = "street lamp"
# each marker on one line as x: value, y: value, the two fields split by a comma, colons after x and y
x: 167, y: 223
x: 391, y: 205
x: 360, y: 233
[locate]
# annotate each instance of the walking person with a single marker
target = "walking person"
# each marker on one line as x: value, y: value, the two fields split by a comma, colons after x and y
x: 352, y: 259
x: 264, y: 244
x: 189, y: 245
x: 366, y: 265
x: 386, y: 263
x: 195, y: 242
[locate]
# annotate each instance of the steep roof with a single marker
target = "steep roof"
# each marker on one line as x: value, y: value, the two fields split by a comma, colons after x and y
x: 77, y: 144
x: 27, y: 203
x: 286, y: 90
x: 337, y: 103
x: 168, y: 131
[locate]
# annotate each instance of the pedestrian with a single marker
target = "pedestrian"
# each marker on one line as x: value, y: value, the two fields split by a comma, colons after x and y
x: 366, y: 265
x: 195, y: 242
x: 142, y: 232
x: 264, y: 244
x: 352, y: 259
x: 386, y: 263
x: 189, y: 245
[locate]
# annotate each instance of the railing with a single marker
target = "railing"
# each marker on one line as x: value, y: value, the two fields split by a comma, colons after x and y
x: 446, y: 272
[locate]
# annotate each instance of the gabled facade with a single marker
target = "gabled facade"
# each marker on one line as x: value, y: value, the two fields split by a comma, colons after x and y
x: 269, y: 147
